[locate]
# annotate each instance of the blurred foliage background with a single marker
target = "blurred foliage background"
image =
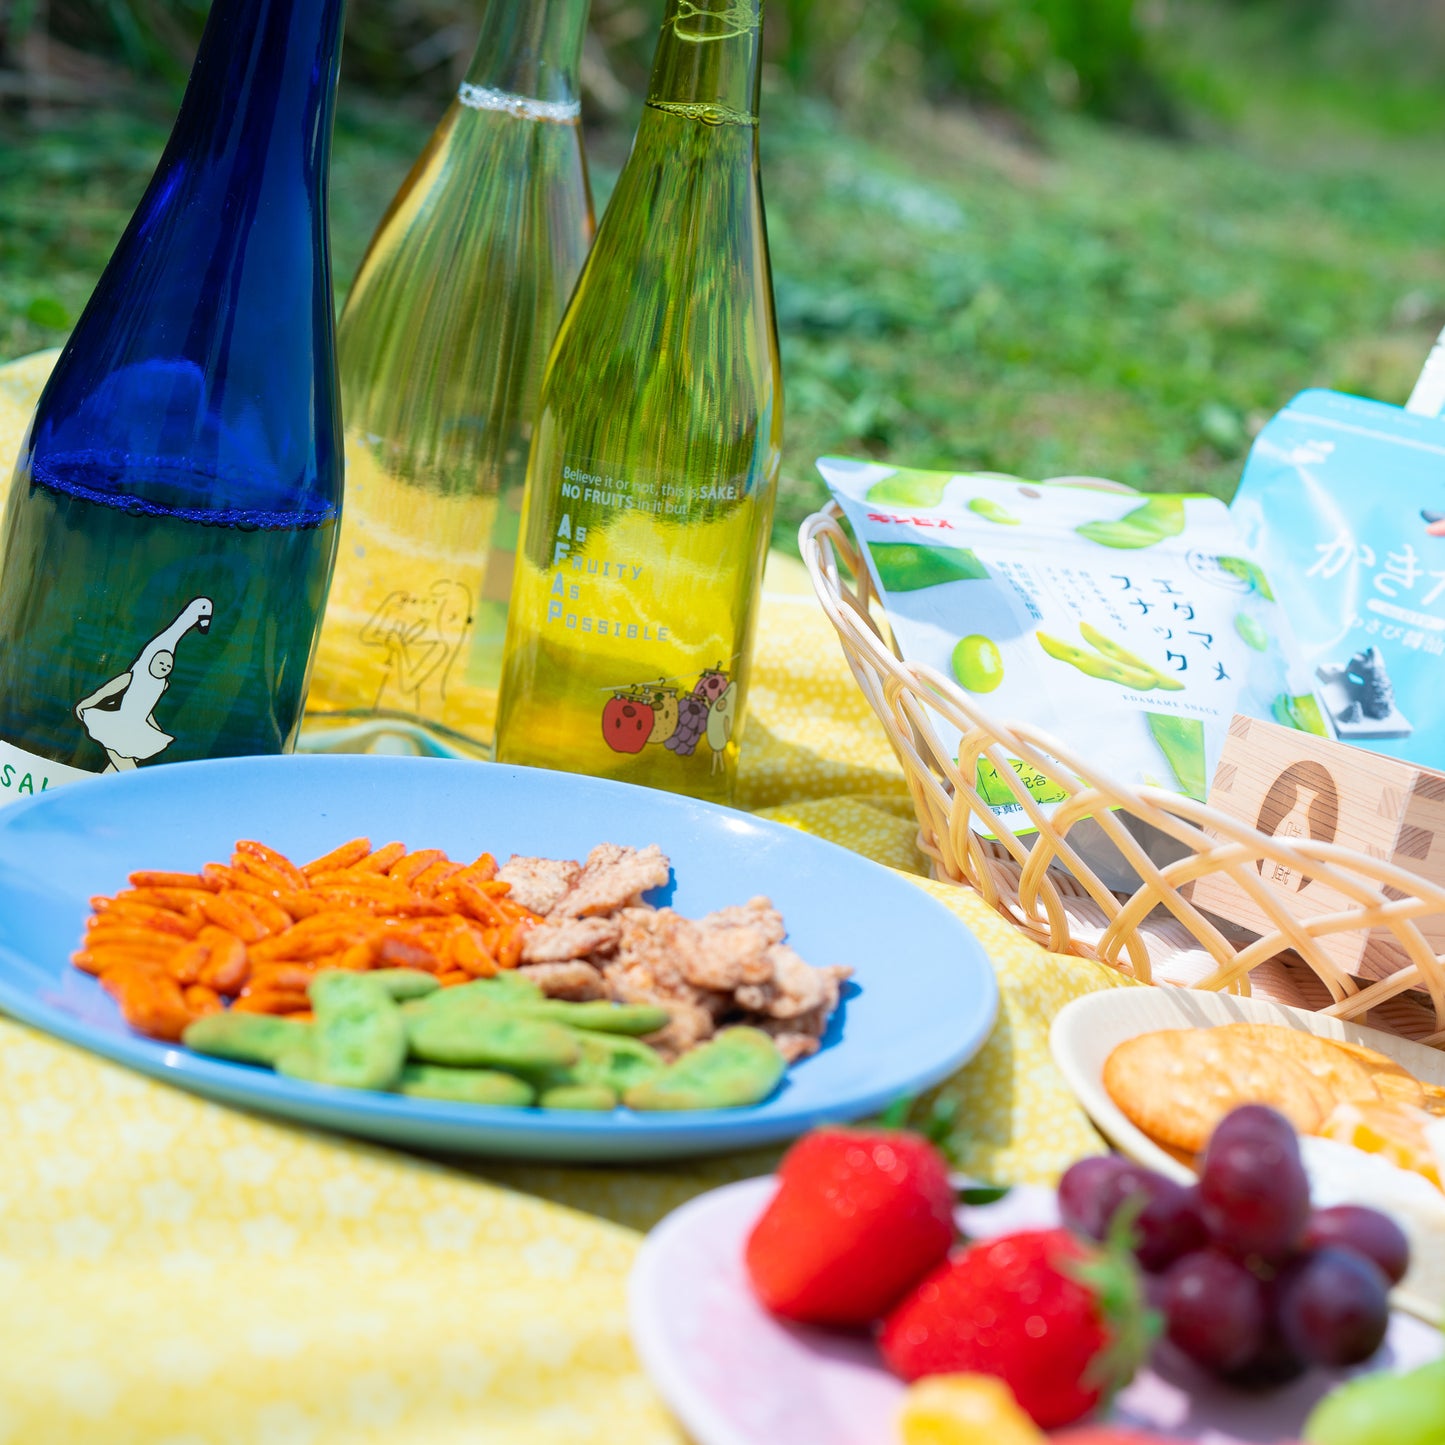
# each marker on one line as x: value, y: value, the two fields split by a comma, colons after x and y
x: 1102, y: 237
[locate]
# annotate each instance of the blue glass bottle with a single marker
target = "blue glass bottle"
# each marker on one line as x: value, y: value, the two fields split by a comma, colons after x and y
x: 171, y: 524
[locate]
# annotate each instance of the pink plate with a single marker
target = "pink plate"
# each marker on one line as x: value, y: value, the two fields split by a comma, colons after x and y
x: 735, y: 1376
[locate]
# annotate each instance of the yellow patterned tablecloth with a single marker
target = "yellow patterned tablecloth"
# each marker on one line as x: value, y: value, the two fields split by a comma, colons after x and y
x: 176, y: 1273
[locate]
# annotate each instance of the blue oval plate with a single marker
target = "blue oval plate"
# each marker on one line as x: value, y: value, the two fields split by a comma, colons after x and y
x: 921, y: 1002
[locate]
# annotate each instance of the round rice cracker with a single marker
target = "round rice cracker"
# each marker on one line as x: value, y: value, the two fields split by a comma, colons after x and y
x: 1177, y: 1084
x: 1344, y: 1078
x: 1393, y: 1081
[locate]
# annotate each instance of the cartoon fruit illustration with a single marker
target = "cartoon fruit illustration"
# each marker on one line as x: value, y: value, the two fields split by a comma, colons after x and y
x: 964, y: 1410
x: 977, y: 663
x: 664, y: 714
x: 860, y: 1216
x: 626, y: 722
x: 1061, y: 1323
x: 711, y: 685
x: 720, y: 720
x: 909, y: 566
x: 691, y: 722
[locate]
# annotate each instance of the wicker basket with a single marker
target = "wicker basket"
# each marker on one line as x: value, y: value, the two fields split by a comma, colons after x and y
x: 1039, y: 880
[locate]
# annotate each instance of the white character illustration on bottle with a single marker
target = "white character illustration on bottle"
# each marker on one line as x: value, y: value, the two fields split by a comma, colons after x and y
x: 118, y: 714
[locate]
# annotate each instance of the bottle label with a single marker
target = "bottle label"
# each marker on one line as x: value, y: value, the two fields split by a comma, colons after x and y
x: 654, y: 624
x: 119, y: 714
x: 23, y: 775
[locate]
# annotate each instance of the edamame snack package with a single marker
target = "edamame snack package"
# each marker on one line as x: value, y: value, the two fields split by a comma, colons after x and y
x: 1344, y: 501
x: 1130, y: 627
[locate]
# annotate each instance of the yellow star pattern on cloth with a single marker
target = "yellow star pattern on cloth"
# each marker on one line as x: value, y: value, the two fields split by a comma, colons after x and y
x: 178, y: 1273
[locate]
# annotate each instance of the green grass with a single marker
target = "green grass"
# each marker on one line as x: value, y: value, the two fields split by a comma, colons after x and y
x: 1086, y: 301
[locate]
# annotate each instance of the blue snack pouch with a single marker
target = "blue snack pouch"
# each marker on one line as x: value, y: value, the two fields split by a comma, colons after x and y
x: 1343, y: 503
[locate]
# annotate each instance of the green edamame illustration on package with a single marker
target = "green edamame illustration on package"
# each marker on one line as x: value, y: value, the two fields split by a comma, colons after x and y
x: 1250, y: 572
x: 1108, y: 661
x: 1301, y: 713
x: 1152, y: 522
x: 992, y: 511
x: 1181, y: 740
x: 977, y: 663
x: 910, y: 489
x: 910, y: 567
x: 1252, y: 631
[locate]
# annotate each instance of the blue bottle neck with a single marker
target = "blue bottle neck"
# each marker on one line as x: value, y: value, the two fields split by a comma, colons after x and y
x: 201, y: 376
x: 262, y: 89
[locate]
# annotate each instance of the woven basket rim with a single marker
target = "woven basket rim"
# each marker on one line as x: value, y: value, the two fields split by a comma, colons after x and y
x: 1036, y: 878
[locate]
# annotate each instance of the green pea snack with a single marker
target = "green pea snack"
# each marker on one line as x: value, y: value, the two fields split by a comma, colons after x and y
x: 592, y: 1097
x: 490, y: 1038
x: 498, y: 1041
x: 244, y: 1038
x: 465, y: 1086
x: 359, y: 1039
x: 1131, y: 627
x: 405, y: 983
x: 739, y: 1066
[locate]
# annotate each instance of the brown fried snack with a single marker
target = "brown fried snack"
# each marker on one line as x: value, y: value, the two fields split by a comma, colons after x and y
x: 613, y: 877
x: 539, y: 883
x: 576, y: 981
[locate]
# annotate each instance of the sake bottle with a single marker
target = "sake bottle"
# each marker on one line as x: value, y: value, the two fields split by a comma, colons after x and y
x: 171, y: 522
x: 652, y: 474
x: 442, y: 344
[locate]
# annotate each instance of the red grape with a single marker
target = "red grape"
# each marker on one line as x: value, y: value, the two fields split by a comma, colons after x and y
x: 1165, y: 1215
x: 1334, y: 1307
x: 1254, y: 1194
x: 1274, y: 1363
x: 1214, y: 1310
x: 1170, y: 1225
x: 1366, y: 1231
x: 1082, y: 1193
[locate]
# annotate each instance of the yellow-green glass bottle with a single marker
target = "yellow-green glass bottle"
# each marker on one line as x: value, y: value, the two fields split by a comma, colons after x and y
x: 653, y: 469
x: 441, y: 348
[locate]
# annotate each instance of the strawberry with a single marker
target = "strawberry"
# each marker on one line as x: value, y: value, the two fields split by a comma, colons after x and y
x: 1060, y: 1322
x: 860, y: 1217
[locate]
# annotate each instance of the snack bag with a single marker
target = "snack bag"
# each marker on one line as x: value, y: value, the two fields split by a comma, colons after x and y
x: 1343, y: 501
x: 1130, y: 627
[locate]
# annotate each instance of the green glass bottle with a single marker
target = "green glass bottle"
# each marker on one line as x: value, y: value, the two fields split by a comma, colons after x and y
x: 654, y: 467
x: 441, y: 350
